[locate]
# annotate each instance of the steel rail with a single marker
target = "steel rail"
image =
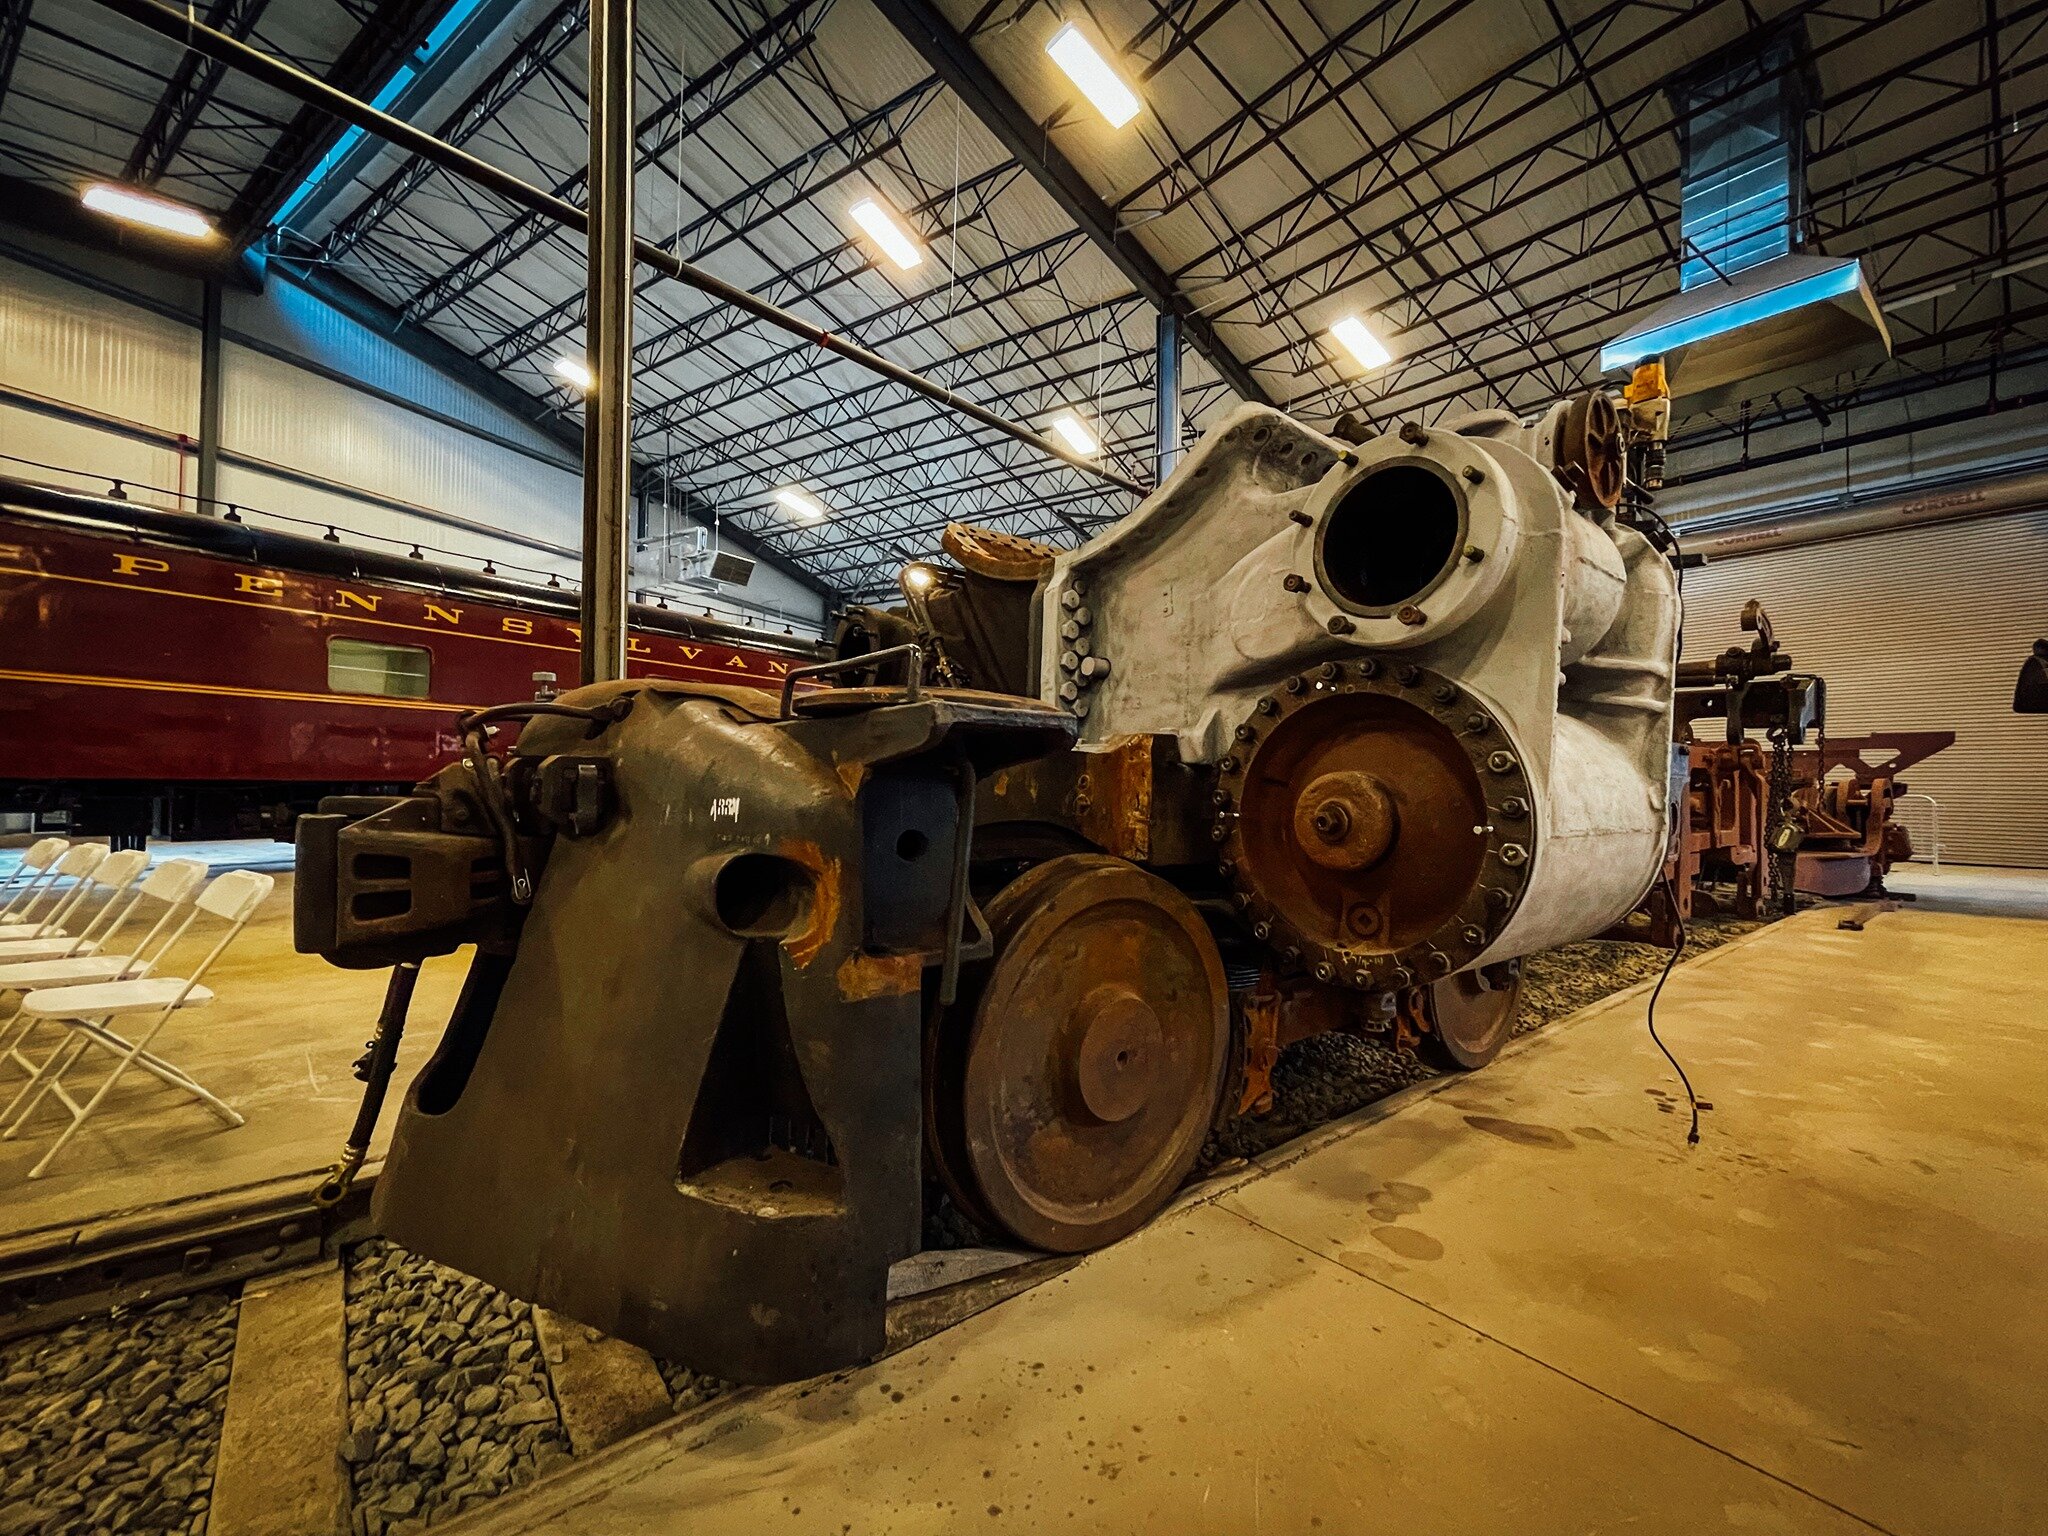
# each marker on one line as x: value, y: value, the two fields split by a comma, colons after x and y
x: 169, y: 22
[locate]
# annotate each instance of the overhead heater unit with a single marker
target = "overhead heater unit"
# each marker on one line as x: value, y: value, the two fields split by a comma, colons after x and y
x: 688, y: 560
x: 1789, y: 322
x: 1752, y: 314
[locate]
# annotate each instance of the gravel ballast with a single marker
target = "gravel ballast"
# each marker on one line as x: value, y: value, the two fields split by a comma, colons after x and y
x: 112, y: 1425
x: 1325, y: 1077
x: 449, y: 1399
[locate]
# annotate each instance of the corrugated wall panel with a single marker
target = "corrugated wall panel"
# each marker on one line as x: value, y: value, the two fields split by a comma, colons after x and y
x: 287, y: 415
x: 1920, y: 630
x: 65, y: 342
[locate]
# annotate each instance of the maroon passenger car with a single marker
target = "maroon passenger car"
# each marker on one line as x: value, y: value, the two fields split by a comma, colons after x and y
x: 168, y: 674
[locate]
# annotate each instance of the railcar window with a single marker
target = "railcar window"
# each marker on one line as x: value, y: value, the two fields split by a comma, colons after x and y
x: 392, y: 671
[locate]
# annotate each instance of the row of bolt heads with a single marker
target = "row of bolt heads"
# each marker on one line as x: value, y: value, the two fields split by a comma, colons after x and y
x: 1084, y: 670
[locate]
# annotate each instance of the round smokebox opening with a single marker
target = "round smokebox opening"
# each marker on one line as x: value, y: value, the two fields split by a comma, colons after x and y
x: 1391, y: 537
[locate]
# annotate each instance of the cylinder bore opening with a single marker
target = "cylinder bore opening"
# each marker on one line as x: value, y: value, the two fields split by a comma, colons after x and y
x: 1391, y: 537
x: 761, y: 895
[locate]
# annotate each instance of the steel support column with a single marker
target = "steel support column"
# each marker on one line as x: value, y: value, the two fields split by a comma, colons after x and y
x: 1166, y: 403
x: 209, y: 396
x: 608, y: 344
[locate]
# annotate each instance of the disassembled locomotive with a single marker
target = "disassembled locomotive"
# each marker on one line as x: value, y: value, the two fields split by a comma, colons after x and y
x: 1328, y: 733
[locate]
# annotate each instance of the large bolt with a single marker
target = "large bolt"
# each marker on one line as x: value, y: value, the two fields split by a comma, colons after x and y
x: 1368, y: 669
x: 1070, y: 630
x: 1477, y: 723
x: 1083, y: 617
x: 1095, y: 667
x: 1474, y: 554
x: 1244, y: 733
x: 1295, y: 684
x: 1411, y: 615
x: 1070, y: 599
x: 1339, y: 625
x: 1473, y: 473
x: 1069, y: 690
x: 1412, y: 434
x: 1069, y: 660
x: 1269, y: 705
x: 1501, y: 762
x: 1514, y: 808
x: 1294, y: 582
x: 1228, y: 764
x: 1329, y: 671
x: 1301, y: 517
x: 1443, y: 693
x: 1406, y: 672
x: 1331, y: 822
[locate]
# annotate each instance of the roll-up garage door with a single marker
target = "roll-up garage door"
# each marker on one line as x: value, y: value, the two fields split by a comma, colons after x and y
x: 1923, y: 629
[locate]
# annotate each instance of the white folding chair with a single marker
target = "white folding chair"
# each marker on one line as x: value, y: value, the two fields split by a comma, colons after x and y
x: 26, y: 964
x: 74, y: 864
x: 86, y: 1010
x: 117, y: 872
x: 36, y: 870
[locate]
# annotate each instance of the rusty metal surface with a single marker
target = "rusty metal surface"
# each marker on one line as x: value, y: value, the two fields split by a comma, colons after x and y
x: 1375, y: 823
x: 1469, y: 1017
x: 1592, y: 457
x: 1096, y: 1053
x: 685, y: 1109
x: 995, y: 554
x: 1133, y: 798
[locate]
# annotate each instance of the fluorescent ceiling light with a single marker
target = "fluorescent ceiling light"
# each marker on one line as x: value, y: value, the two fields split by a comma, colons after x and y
x: 1089, y: 70
x: 882, y: 228
x: 140, y: 208
x: 1074, y: 431
x: 802, y: 503
x: 576, y: 372
x: 1354, y: 338
x: 1748, y: 310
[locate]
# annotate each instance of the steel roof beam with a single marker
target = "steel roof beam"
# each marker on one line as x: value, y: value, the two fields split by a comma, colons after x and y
x: 190, y: 90
x: 782, y: 190
x: 956, y: 62
x: 397, y: 28
x: 13, y: 28
x: 535, y: 54
x: 747, y: 65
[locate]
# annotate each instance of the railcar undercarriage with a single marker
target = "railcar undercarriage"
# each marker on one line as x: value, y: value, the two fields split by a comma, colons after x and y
x: 1026, y: 891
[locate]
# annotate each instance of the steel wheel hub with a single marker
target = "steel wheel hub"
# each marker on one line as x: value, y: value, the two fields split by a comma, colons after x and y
x: 1093, y: 1063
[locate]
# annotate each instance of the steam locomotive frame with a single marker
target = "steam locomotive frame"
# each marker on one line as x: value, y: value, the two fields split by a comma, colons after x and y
x: 164, y: 673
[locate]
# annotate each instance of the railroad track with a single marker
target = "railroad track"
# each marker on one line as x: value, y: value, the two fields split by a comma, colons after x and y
x: 54, y: 1275
x: 251, y: 1363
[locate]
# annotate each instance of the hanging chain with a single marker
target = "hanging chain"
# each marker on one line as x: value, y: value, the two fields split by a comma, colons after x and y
x: 1784, y: 859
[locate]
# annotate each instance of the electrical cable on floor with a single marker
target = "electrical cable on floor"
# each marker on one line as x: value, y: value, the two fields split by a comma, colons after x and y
x: 1692, y: 1135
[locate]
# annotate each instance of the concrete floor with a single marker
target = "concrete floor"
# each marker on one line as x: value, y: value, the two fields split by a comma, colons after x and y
x: 277, y: 1043
x: 1515, y: 1302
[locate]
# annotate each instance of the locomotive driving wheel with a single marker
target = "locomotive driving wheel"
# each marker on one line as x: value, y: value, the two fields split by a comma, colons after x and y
x: 1467, y: 1018
x: 1074, y: 1101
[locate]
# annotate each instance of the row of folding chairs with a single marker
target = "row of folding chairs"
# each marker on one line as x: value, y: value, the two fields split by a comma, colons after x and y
x: 70, y: 987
